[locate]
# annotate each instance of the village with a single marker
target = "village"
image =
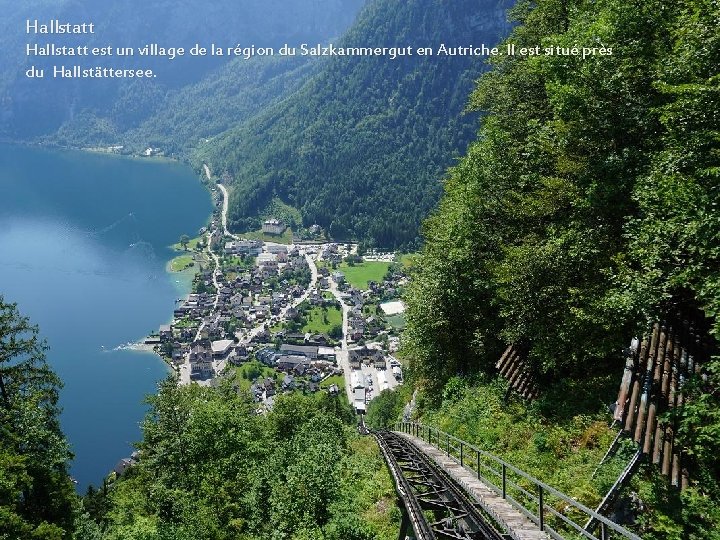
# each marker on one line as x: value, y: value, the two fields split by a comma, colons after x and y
x: 278, y: 318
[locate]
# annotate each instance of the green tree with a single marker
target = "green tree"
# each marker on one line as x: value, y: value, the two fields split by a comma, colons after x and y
x: 37, y: 498
x: 184, y: 241
x: 384, y: 410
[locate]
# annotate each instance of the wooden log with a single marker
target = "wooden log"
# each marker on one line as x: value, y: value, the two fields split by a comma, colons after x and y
x: 631, y: 416
x: 667, y: 366
x: 631, y: 413
x: 517, y: 372
x: 510, y: 362
x: 504, y: 357
x: 667, y: 450
x: 651, y: 429
x: 625, y: 385
x: 510, y: 365
x: 647, y: 380
x: 675, y: 472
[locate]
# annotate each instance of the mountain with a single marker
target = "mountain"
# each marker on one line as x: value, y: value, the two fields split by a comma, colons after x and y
x: 102, y: 109
x: 358, y: 144
x: 361, y: 148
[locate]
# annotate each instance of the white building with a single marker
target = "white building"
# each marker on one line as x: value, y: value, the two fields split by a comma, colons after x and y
x: 273, y: 226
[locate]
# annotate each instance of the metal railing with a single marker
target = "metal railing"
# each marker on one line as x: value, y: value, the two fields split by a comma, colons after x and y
x: 554, y: 512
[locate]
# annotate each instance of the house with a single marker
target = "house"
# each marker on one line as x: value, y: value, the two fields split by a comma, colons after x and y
x: 300, y: 369
x: 273, y: 226
x: 257, y: 390
x: 288, y: 362
x: 221, y: 348
x: 178, y: 355
x: 338, y: 277
x: 123, y: 465
x: 294, y: 337
x: 288, y: 382
x: 276, y: 248
x: 261, y: 337
x: 317, y: 339
x: 358, y: 355
x: 327, y: 353
x: 267, y: 259
x: 311, y: 351
x: 200, y: 362
x: 355, y: 333
x: 166, y: 332
x: 244, y: 247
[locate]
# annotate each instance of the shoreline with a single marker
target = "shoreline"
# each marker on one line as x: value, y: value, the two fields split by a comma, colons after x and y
x: 101, y: 150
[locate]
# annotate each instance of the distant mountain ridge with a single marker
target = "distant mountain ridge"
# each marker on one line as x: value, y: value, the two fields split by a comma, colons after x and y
x: 104, y: 109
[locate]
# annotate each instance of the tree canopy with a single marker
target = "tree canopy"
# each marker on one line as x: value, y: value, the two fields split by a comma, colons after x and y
x: 585, y: 208
x: 36, y: 494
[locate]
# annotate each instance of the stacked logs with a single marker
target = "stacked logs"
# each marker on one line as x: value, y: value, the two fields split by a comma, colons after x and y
x: 514, y: 368
x: 656, y: 370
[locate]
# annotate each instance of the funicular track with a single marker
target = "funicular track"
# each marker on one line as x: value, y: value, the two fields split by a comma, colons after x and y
x: 452, y: 489
x: 436, y: 507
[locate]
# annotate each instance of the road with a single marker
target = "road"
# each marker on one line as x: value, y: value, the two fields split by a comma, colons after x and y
x: 342, y: 356
x: 223, y: 216
x: 185, y: 368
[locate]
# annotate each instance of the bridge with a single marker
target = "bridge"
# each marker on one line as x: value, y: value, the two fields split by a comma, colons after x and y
x: 450, y: 489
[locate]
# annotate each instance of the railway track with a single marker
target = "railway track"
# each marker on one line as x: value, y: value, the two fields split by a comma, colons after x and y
x: 436, y: 507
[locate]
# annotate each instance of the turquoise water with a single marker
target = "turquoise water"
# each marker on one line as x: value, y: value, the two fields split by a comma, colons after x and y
x: 83, y: 247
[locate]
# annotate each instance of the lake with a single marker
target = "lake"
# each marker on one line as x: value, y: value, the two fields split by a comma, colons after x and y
x: 84, y: 243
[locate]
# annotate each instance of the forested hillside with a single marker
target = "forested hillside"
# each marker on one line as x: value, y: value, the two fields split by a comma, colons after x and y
x: 212, y: 468
x: 587, y: 207
x: 361, y: 147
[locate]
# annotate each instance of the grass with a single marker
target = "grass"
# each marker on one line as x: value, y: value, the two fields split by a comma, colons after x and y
x: 284, y: 238
x: 180, y: 263
x: 284, y: 212
x: 235, y: 261
x: 186, y: 323
x: 315, y: 323
x: 366, y: 478
x: 360, y: 274
x: 408, y: 259
x: 334, y: 379
x: 249, y: 371
x: 562, y: 450
x: 192, y: 244
x: 396, y: 321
